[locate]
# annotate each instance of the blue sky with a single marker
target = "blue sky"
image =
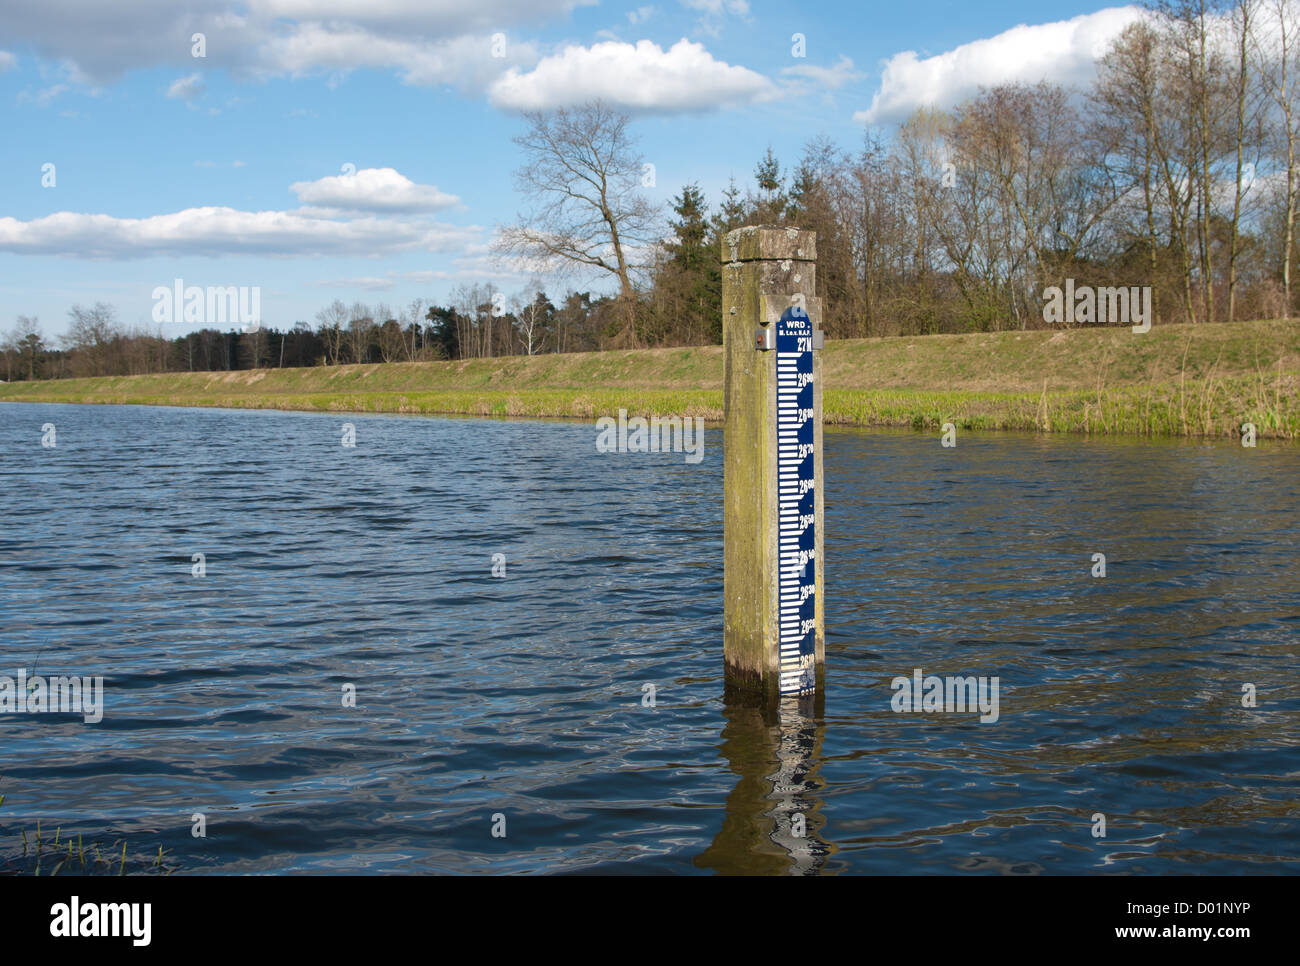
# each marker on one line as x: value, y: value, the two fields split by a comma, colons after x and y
x: 229, y: 169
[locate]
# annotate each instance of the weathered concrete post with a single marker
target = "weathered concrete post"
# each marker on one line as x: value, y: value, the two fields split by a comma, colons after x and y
x: 774, y: 637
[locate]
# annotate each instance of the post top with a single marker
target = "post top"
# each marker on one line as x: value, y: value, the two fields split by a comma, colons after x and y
x: 755, y: 243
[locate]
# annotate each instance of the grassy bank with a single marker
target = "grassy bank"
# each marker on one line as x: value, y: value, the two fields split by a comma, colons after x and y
x: 1202, y: 380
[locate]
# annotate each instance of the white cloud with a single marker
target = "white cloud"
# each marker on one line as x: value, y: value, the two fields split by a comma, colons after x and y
x: 640, y: 15
x: 719, y: 8
x: 465, y: 61
x: 372, y: 189
x: 715, y: 12
x: 187, y: 88
x: 428, y: 41
x: 1064, y: 52
x: 640, y: 77
x: 443, y: 16
x: 7, y: 61
x: 215, y: 231
x: 831, y: 78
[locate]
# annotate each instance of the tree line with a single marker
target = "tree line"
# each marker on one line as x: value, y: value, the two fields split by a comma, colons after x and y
x: 481, y: 321
x: 1177, y: 169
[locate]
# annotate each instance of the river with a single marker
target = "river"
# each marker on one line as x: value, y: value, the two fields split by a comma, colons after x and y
x: 341, y: 683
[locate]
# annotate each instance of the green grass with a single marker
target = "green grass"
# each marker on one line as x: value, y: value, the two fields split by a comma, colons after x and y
x: 39, y: 853
x: 1202, y: 380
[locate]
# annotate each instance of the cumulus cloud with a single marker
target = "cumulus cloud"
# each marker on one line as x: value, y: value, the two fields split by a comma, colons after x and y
x: 7, y: 61
x: 637, y: 77
x: 187, y: 88
x: 474, y: 47
x: 442, y: 16
x: 428, y: 41
x: 466, y: 61
x: 375, y: 190
x: 215, y: 231
x: 359, y: 220
x: 1064, y: 52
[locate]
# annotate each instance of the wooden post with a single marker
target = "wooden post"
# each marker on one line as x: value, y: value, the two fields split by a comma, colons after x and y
x: 774, y: 637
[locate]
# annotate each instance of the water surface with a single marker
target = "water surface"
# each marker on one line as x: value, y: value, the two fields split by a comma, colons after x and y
x: 523, y: 696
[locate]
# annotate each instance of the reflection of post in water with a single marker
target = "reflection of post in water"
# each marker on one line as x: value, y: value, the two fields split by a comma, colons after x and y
x: 773, y: 820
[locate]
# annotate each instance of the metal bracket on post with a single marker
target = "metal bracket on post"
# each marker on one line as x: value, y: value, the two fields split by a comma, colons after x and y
x: 765, y: 338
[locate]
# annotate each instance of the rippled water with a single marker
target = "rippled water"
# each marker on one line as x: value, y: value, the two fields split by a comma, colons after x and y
x: 328, y: 566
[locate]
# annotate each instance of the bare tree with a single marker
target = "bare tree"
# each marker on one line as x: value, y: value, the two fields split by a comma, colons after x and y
x: 464, y: 300
x: 27, y: 343
x: 1275, y: 45
x: 1143, y: 100
x: 410, y: 320
x: 388, y: 334
x: 91, y: 335
x: 1246, y: 131
x: 583, y: 174
x: 11, y: 353
x: 361, y: 324
x: 1126, y: 105
x: 530, y: 315
x: 255, y: 348
x: 332, y: 318
x: 492, y: 307
x: 1204, y: 102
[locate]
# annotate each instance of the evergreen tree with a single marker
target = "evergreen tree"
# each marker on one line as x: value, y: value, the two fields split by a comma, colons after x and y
x: 691, y: 229
x: 771, y: 182
x: 442, y: 334
x: 732, y: 213
x: 695, y: 267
